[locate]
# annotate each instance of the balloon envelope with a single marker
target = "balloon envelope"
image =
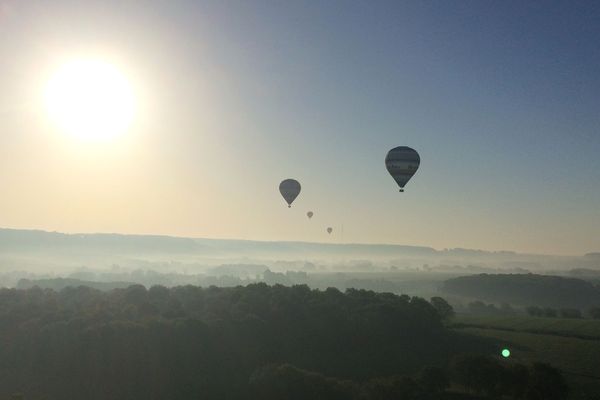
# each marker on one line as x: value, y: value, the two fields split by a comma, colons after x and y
x: 309, y: 214
x: 329, y: 230
x: 402, y: 162
x: 289, y: 189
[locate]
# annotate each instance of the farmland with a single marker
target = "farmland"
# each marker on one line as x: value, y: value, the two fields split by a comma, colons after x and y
x: 571, y: 345
x: 581, y: 328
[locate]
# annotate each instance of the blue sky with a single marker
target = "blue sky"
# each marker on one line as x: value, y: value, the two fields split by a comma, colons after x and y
x: 501, y: 99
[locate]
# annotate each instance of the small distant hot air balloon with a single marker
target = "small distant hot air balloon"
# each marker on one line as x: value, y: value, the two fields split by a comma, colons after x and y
x: 289, y: 189
x: 329, y: 230
x: 309, y: 214
x: 402, y: 162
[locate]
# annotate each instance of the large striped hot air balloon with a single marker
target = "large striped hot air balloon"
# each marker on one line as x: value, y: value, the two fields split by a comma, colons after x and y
x: 289, y: 189
x: 402, y: 162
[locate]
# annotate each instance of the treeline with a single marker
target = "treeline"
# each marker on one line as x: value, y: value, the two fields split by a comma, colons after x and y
x: 190, y: 342
x: 526, y: 289
x: 61, y: 283
x: 481, y: 308
x: 231, y: 275
x: 477, y: 374
x: 575, y: 313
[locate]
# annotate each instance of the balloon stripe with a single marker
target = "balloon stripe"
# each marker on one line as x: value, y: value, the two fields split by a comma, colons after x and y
x: 402, y: 163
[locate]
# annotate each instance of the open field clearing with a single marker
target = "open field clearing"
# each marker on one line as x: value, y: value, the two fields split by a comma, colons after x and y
x: 583, y: 328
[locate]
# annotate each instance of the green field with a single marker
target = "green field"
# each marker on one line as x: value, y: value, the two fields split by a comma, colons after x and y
x: 582, y: 328
x: 578, y: 358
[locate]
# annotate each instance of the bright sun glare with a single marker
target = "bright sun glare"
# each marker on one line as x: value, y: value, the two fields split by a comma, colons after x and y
x: 90, y: 99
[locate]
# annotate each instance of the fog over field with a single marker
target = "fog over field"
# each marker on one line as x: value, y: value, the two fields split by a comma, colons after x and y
x: 141, y: 258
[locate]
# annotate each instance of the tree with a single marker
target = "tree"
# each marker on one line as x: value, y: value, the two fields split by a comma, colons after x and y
x: 550, y: 312
x: 479, y: 307
x: 534, y: 311
x: 516, y: 380
x: 392, y: 388
x: 546, y: 383
x: 595, y: 312
x: 288, y: 382
x: 434, y: 380
x: 570, y: 313
x: 443, y: 308
x: 506, y: 309
x: 479, y: 373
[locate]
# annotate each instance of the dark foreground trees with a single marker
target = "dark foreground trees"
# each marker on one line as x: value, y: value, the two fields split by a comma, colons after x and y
x: 489, y: 376
x: 594, y: 312
x: 546, y: 383
x: 482, y: 376
x: 188, y: 341
x: 222, y: 343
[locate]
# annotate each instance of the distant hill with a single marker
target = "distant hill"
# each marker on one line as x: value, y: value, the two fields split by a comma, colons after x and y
x: 61, y: 283
x: 11, y: 239
x: 14, y: 239
x: 526, y: 289
x: 53, y: 250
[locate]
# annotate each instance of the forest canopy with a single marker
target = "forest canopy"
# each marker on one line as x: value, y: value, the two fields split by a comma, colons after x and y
x: 256, y: 341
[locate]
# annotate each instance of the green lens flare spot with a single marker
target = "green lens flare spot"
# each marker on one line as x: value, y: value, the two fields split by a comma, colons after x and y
x: 505, y: 353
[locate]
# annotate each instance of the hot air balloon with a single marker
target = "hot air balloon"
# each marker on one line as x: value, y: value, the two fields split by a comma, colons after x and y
x: 329, y: 230
x: 309, y: 214
x: 402, y: 162
x: 289, y: 189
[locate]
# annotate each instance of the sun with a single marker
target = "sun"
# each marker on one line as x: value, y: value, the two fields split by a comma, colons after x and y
x: 90, y: 99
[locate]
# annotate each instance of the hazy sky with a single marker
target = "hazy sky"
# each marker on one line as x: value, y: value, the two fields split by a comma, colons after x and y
x: 501, y: 99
